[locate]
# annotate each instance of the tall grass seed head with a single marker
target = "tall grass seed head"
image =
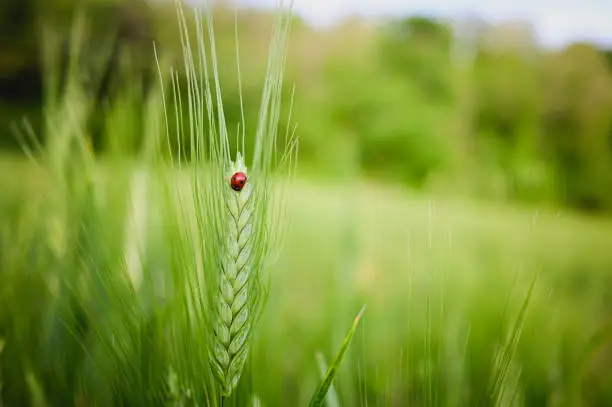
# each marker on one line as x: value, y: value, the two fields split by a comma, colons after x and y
x: 234, y: 316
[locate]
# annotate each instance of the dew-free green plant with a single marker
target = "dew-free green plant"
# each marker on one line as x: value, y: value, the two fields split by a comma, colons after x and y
x: 230, y: 236
x: 318, y: 397
x: 233, y: 322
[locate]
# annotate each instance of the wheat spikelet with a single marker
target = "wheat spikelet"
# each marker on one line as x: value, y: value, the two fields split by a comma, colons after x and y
x: 233, y: 319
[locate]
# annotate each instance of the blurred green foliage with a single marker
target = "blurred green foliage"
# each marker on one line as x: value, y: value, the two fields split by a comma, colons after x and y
x: 443, y: 280
x: 408, y: 101
x: 443, y: 283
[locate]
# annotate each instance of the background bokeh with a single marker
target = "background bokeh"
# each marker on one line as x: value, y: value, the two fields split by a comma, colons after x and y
x: 443, y: 162
x: 462, y: 105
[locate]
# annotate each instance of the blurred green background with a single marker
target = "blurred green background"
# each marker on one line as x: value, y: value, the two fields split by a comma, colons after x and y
x: 438, y: 173
x: 406, y: 101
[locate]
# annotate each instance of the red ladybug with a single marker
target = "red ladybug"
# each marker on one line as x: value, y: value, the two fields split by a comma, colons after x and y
x: 238, y: 181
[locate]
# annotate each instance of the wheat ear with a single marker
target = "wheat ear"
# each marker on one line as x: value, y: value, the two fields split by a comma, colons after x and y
x: 233, y: 319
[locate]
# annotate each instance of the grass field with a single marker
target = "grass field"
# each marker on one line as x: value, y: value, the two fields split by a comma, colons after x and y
x: 113, y: 291
x: 444, y: 282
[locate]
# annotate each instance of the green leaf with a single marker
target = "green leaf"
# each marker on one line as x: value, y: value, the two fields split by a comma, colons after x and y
x: 332, y: 397
x: 318, y: 397
x: 508, y: 350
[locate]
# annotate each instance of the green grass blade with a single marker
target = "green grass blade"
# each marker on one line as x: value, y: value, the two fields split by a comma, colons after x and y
x: 332, y: 397
x: 318, y: 397
x: 509, y: 349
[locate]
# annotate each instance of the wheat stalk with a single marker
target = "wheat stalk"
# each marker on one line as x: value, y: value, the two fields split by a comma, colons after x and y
x: 233, y: 322
x: 229, y: 237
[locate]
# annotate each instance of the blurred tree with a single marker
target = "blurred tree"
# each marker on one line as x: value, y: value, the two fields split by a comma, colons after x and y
x: 116, y: 49
x: 578, y: 124
x: 607, y: 53
x: 399, y: 101
x: 418, y: 48
x: 18, y: 57
x: 507, y: 117
x: 20, y: 82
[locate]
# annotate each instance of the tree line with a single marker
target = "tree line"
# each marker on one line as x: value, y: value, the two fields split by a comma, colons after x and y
x: 406, y: 100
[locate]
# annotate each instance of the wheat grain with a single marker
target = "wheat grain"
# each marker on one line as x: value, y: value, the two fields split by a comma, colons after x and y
x: 233, y: 319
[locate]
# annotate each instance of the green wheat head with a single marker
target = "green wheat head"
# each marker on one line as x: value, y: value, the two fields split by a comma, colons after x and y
x: 232, y: 323
x: 230, y: 237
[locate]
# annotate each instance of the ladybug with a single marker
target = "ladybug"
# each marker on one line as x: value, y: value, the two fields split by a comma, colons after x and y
x: 238, y: 181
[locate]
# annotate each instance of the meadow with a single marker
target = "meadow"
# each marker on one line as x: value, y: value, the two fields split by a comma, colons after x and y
x: 444, y: 281
x: 105, y: 272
